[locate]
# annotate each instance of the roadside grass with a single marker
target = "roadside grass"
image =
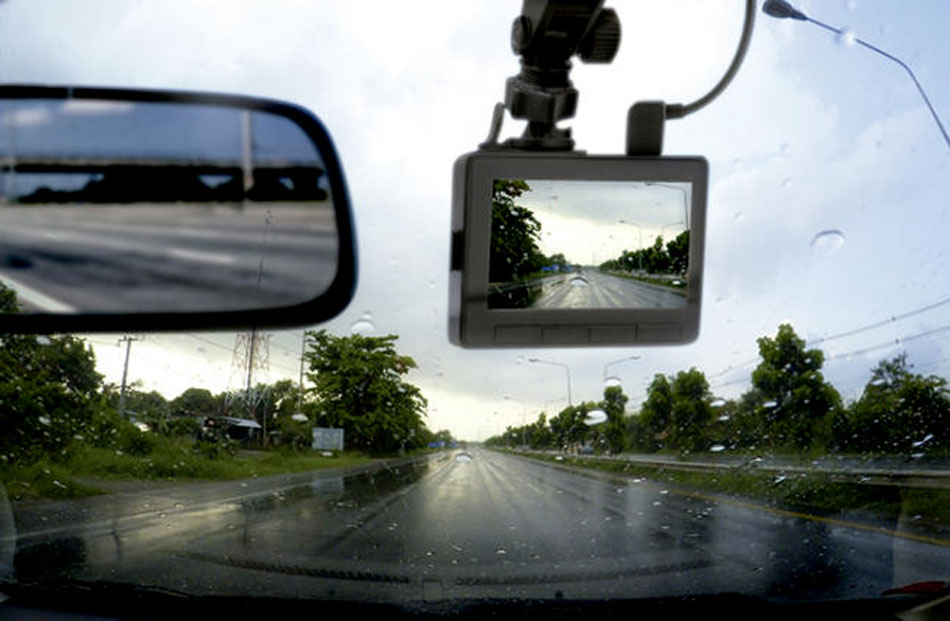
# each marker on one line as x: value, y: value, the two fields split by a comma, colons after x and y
x: 170, y: 459
x: 812, y: 492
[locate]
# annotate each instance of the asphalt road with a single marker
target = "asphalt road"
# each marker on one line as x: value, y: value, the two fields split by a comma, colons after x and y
x: 593, y: 289
x: 482, y: 525
x: 166, y: 258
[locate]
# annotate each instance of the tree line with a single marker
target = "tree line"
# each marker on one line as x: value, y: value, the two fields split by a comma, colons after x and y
x: 669, y: 258
x: 789, y: 407
x: 52, y: 399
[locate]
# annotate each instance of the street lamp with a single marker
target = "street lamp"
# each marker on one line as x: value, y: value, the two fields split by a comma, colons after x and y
x: 640, y: 243
x: 685, y: 199
x: 523, y: 421
x: 618, y: 361
x: 567, y: 369
x: 781, y: 10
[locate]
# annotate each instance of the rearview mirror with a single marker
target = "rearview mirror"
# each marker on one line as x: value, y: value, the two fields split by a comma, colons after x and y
x: 150, y: 210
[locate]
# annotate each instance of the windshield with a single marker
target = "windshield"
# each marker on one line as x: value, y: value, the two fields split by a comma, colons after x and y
x: 797, y: 450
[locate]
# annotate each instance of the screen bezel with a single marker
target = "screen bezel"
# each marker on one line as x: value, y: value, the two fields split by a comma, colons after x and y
x: 473, y: 324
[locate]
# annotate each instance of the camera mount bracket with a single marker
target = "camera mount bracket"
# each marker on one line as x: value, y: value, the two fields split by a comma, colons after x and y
x: 546, y: 35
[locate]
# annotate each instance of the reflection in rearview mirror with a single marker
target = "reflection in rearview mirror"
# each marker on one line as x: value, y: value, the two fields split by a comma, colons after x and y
x: 589, y: 244
x: 160, y: 206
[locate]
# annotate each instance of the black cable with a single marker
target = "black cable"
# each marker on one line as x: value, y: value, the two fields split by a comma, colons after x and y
x: 678, y: 111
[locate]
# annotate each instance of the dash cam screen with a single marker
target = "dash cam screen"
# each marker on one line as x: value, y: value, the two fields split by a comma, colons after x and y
x: 589, y: 244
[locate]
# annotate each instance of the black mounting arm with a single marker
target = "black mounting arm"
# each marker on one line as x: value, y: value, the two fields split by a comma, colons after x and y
x: 546, y: 35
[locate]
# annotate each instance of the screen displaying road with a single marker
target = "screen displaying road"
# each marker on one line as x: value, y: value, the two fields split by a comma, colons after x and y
x: 589, y: 244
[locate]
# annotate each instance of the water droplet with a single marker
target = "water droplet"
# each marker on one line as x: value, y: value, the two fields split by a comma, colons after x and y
x: 520, y: 359
x: 924, y: 441
x: 43, y: 340
x: 578, y: 281
x: 362, y: 326
x: 501, y: 551
x: 612, y: 382
x: 846, y: 38
x: 879, y: 382
x: 657, y: 503
x: 58, y: 484
x: 738, y: 217
x: 717, y: 403
x: 716, y: 448
x: 44, y: 420
x: 828, y: 242
x: 664, y: 491
x: 723, y: 418
x: 779, y: 478
x: 595, y: 417
x: 787, y: 182
x: 769, y: 404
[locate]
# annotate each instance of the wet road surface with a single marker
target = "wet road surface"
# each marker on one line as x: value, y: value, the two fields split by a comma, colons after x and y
x: 593, y: 289
x: 479, y: 524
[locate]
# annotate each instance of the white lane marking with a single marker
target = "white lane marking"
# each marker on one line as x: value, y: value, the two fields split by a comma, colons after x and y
x: 200, y: 256
x: 33, y: 297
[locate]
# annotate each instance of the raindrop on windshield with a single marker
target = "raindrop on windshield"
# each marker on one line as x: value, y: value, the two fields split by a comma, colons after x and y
x: 738, y: 217
x: 769, y: 404
x: 717, y: 403
x: 716, y: 448
x: 611, y: 382
x: 846, y: 38
x: 828, y: 242
x: 879, y: 382
x: 924, y: 441
x: 595, y: 417
x: 723, y: 418
x: 43, y: 340
x: 362, y: 326
x: 578, y: 281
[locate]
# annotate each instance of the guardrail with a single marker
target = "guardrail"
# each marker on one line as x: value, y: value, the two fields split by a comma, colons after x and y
x: 916, y: 478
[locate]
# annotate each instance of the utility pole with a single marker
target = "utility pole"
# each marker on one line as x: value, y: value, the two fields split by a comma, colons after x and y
x: 125, y: 369
x: 303, y: 351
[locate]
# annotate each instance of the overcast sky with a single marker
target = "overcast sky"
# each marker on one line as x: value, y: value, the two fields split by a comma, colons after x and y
x: 829, y: 181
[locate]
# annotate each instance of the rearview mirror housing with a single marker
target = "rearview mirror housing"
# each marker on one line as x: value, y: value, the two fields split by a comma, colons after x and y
x: 146, y: 210
x: 561, y: 249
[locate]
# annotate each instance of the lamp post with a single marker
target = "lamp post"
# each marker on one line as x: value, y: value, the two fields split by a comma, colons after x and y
x: 567, y: 370
x: 523, y: 421
x: 640, y: 243
x: 618, y: 361
x: 782, y: 10
x: 685, y: 200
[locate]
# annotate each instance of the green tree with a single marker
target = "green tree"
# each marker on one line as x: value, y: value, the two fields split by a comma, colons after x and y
x: 898, y: 412
x: 568, y: 427
x: 691, y: 413
x: 656, y: 414
x: 358, y: 386
x: 515, y: 233
x: 798, y: 400
x: 615, y: 427
x: 49, y: 391
x: 678, y: 251
x: 194, y: 402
